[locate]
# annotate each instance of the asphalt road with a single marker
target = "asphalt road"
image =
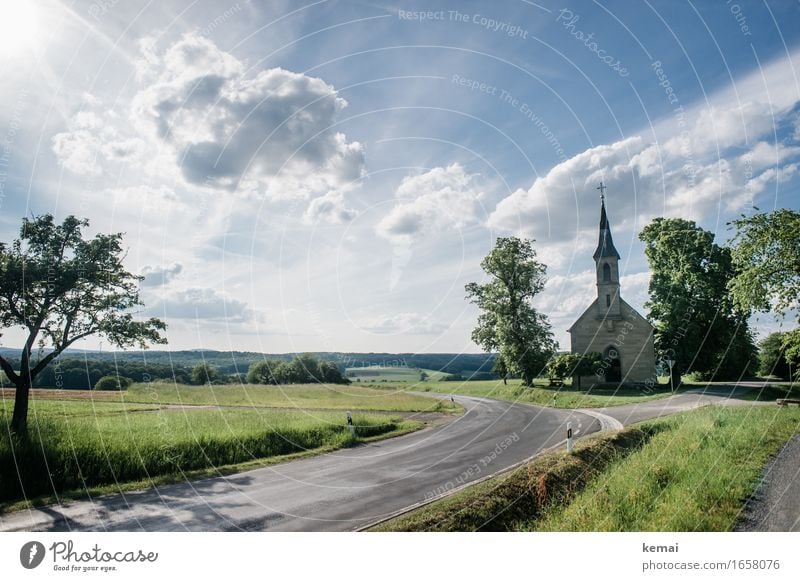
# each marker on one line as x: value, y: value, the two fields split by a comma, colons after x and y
x: 340, y: 491
x: 775, y: 506
x: 350, y: 489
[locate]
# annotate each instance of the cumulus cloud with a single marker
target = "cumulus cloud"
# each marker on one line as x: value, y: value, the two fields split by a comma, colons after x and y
x: 329, y: 208
x: 205, y: 304
x: 77, y: 151
x: 160, y: 275
x: 704, y: 160
x: 443, y: 197
x: 92, y: 139
x: 273, y: 133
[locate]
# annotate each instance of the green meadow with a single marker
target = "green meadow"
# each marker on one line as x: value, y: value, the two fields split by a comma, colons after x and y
x: 101, y: 441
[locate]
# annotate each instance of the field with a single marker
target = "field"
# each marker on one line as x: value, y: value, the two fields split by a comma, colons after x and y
x: 104, y: 441
x: 571, y: 398
x: 394, y: 374
x: 689, y: 472
x: 311, y: 396
x: 540, y: 393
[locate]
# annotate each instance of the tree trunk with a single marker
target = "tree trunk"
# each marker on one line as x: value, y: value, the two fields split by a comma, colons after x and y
x: 578, y: 377
x: 505, y: 380
x: 19, y: 421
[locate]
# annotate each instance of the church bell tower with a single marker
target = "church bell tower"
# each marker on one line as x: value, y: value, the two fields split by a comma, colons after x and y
x: 606, y: 259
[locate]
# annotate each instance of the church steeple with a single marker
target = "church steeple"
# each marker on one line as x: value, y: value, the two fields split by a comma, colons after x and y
x: 606, y: 258
x: 605, y: 245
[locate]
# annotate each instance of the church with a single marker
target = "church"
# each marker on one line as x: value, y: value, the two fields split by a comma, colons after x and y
x: 610, y: 326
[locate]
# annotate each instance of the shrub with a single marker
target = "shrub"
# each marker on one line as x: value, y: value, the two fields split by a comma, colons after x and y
x: 113, y: 383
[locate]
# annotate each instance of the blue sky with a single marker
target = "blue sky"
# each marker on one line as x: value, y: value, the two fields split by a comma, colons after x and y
x: 328, y: 176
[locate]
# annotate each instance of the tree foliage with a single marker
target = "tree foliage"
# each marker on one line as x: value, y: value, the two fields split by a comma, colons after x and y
x: 204, y: 374
x: 573, y: 365
x: 766, y: 255
x: 60, y: 289
x: 696, y: 322
x: 772, y: 356
x: 508, y: 322
x: 302, y: 369
x: 113, y: 383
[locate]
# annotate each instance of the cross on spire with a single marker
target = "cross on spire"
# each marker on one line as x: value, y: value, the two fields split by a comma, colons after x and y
x: 602, y: 189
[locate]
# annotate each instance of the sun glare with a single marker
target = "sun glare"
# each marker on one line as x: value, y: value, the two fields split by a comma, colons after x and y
x: 19, y: 26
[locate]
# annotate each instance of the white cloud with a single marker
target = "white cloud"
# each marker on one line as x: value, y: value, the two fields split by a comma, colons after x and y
x: 443, y: 197
x: 160, y: 275
x: 78, y: 151
x: 121, y: 149
x: 329, y: 208
x: 692, y: 166
x: 272, y: 133
x: 204, y: 304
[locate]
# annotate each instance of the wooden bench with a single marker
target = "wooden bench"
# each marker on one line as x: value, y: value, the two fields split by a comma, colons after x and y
x: 787, y: 401
x: 556, y: 382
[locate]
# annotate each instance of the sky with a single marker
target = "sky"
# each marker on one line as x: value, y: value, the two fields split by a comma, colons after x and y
x: 327, y: 176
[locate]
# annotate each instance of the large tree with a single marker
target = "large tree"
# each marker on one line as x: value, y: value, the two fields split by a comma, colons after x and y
x: 696, y: 323
x: 766, y: 254
x: 60, y: 288
x: 508, y: 322
x: 772, y: 356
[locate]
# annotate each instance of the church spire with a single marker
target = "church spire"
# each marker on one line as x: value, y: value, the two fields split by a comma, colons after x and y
x: 605, y: 244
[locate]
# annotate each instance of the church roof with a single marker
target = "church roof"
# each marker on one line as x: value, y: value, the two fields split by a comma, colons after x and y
x: 605, y: 244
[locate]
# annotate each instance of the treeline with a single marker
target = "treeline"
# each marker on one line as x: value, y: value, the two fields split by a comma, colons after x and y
x: 93, y: 374
x: 82, y: 369
x: 302, y: 369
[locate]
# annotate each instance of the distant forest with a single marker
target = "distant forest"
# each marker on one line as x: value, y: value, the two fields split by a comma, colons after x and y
x: 82, y: 369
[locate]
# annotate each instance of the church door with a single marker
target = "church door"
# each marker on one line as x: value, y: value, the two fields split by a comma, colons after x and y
x: 612, y: 365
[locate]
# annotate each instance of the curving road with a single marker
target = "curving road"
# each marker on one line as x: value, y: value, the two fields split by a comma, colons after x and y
x: 341, y: 491
x: 353, y: 488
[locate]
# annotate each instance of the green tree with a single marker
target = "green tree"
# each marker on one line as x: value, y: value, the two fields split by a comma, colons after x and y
x: 772, y: 356
x: 696, y: 323
x: 305, y: 369
x: 500, y: 369
x: 423, y: 376
x: 113, y: 383
x: 766, y: 255
x: 204, y: 374
x: 508, y: 322
x: 60, y: 288
x: 329, y: 372
x: 575, y: 365
x: 263, y: 372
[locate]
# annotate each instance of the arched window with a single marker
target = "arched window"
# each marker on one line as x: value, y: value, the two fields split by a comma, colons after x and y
x: 606, y: 273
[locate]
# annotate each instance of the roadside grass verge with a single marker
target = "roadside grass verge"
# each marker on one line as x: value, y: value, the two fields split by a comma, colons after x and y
x: 543, y: 395
x: 695, y: 475
x: 67, y: 452
x: 499, y: 503
x: 688, y: 472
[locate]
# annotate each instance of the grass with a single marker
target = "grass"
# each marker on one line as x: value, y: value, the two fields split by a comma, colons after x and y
x: 98, y: 440
x: 499, y: 503
x: 689, y: 472
x: 316, y: 396
x: 393, y: 374
x: 543, y: 395
x: 693, y: 476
